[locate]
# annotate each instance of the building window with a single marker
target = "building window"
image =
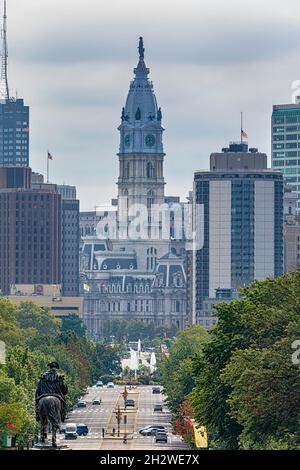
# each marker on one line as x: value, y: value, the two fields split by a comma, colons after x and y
x: 151, y: 258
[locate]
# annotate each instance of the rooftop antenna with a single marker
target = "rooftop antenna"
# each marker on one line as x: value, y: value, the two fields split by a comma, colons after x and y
x: 4, y: 90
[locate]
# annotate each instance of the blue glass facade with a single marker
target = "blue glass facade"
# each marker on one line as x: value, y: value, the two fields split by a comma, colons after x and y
x: 14, y: 133
x: 244, y: 221
x: 278, y: 229
x: 286, y: 144
x: 242, y: 232
x: 202, y: 256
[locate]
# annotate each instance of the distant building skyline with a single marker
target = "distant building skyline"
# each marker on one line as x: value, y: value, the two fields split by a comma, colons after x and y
x: 286, y: 144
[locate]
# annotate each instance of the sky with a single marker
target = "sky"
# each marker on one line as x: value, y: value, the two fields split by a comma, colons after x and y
x: 72, y: 62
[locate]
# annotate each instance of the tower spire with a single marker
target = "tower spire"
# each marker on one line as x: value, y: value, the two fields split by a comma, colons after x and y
x: 4, y: 90
x: 141, y: 70
x: 141, y: 48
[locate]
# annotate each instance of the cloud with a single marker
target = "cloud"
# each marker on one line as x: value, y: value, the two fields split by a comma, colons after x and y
x: 72, y: 61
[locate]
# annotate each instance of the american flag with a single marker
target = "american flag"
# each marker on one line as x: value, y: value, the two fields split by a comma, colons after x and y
x: 50, y: 156
x: 244, y: 135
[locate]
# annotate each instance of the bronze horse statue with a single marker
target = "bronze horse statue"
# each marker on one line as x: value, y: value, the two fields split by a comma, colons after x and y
x: 50, y: 401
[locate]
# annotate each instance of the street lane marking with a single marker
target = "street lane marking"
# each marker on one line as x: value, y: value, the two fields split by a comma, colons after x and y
x: 109, y: 418
x: 135, y: 426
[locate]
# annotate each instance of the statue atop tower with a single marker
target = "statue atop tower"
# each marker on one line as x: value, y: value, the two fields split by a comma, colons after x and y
x: 141, y: 49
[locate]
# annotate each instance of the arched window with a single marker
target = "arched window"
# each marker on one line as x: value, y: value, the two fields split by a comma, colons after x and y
x: 150, y: 171
x: 125, y: 195
x: 151, y: 258
x: 126, y: 170
x: 150, y: 199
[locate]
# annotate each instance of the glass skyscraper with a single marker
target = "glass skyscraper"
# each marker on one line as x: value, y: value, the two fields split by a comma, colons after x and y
x: 243, y: 222
x: 14, y: 132
x: 286, y: 144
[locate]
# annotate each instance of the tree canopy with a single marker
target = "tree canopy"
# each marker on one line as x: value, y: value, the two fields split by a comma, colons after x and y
x: 33, y: 338
x: 247, y: 386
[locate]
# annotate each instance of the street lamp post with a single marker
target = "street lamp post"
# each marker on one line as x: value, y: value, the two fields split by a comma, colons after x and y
x: 125, y: 429
x: 118, y: 418
x: 125, y: 395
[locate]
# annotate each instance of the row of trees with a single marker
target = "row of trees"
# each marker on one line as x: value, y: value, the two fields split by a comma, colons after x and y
x: 243, y: 382
x: 33, y: 338
x: 135, y: 330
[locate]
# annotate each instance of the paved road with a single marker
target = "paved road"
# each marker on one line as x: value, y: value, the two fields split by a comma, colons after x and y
x: 98, y: 417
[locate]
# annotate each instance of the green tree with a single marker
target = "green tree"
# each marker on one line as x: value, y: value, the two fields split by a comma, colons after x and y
x: 73, y: 323
x: 176, y: 371
x: 9, y: 331
x: 237, y: 395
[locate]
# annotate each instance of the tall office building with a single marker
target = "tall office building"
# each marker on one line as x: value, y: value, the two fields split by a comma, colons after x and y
x: 243, y: 222
x: 30, y: 231
x: 70, y: 233
x: 286, y: 144
x: 70, y: 240
x: 14, y: 116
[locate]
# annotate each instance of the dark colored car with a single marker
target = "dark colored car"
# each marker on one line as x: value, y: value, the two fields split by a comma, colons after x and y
x: 129, y: 403
x: 156, y: 390
x: 158, y: 408
x: 161, y: 437
x: 82, y: 429
x: 81, y: 404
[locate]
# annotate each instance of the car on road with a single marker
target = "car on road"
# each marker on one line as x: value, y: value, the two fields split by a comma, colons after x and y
x: 129, y: 403
x: 82, y: 429
x: 97, y: 401
x: 161, y: 437
x: 110, y: 385
x: 81, y: 404
x: 157, y: 408
x: 151, y: 430
x: 71, y: 431
x: 99, y: 384
x: 156, y: 390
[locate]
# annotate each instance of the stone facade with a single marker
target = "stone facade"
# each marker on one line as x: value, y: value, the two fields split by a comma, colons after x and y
x: 140, y: 276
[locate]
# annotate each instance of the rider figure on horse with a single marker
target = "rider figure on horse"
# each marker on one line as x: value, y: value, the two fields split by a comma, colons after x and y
x: 52, y: 384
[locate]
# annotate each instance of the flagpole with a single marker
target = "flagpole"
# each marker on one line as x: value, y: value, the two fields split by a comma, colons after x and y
x: 241, y: 127
x: 48, y: 167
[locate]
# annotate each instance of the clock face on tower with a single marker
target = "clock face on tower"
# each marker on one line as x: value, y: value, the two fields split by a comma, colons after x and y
x: 150, y: 140
x: 127, y: 140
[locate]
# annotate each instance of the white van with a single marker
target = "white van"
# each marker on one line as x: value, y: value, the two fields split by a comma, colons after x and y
x: 71, y: 431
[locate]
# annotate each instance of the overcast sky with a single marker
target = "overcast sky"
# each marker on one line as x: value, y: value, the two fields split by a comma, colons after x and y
x: 72, y: 62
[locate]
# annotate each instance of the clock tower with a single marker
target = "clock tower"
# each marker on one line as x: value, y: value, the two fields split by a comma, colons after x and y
x: 141, y: 153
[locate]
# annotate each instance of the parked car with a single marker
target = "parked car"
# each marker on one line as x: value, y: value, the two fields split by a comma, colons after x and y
x: 71, y: 431
x: 156, y: 390
x: 99, y: 384
x: 81, y: 404
x: 129, y: 403
x: 97, y: 401
x: 110, y: 385
x: 82, y: 429
x: 151, y: 430
x: 157, y: 408
x: 161, y: 437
